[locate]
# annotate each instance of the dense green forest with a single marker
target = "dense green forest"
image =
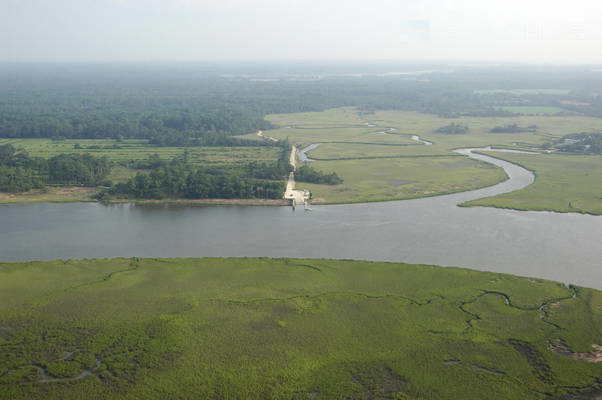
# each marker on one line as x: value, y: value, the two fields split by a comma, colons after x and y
x: 19, y: 172
x: 178, y: 179
x: 204, y: 104
x: 453, y: 129
x: 305, y: 173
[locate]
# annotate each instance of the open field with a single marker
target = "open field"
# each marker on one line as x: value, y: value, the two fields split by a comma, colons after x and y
x: 290, y: 329
x: 347, y: 124
x: 548, y: 128
x: 134, y: 150
x: 563, y: 183
x: 338, y: 151
x: 401, y: 178
x: 391, y: 168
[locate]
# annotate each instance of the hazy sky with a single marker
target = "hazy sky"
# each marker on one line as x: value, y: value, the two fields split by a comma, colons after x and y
x: 538, y: 31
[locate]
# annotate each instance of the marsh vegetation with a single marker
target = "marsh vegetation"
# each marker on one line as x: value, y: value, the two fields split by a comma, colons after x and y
x: 289, y: 328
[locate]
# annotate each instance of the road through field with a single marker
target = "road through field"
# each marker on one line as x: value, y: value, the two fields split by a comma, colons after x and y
x: 297, y: 195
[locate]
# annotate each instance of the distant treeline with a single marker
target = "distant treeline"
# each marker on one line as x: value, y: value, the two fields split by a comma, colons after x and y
x: 172, y: 107
x: 182, y: 127
x: 513, y: 128
x: 453, y: 129
x: 195, y: 105
x: 305, y: 173
x: 584, y: 143
x: 19, y: 172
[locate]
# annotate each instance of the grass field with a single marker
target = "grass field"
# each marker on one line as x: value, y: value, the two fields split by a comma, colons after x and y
x: 564, y: 183
x: 132, y: 150
x: 393, y: 168
x: 401, y: 178
x: 289, y: 329
x: 338, y: 151
x: 347, y: 125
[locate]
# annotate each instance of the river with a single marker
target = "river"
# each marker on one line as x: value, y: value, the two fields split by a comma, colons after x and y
x: 562, y: 247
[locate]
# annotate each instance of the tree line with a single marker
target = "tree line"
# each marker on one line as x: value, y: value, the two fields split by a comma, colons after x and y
x: 453, y: 129
x: 190, y: 108
x: 305, y: 173
x: 513, y: 128
x: 166, y: 179
x: 178, y: 180
x: 19, y: 172
x: 584, y: 143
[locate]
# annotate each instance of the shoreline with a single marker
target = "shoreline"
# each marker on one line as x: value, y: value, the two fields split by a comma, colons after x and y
x: 77, y: 194
x: 216, y: 202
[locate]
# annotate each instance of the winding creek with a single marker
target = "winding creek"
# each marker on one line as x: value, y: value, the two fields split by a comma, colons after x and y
x: 562, y: 247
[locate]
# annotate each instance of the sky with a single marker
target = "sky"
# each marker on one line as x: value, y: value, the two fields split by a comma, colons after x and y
x: 525, y: 31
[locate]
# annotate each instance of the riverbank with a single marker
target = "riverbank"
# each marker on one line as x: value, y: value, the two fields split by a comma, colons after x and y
x: 51, y: 194
x: 86, y: 194
x: 217, y: 202
x: 304, y: 328
x: 577, y: 194
x: 565, y: 183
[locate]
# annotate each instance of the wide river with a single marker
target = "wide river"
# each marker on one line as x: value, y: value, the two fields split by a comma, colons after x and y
x: 562, y: 247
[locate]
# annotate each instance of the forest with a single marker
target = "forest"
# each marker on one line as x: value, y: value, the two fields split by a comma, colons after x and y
x: 179, y: 179
x: 176, y: 180
x: 305, y: 173
x: 186, y: 105
x: 19, y: 172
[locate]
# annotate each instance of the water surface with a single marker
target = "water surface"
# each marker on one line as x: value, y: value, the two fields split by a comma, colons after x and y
x: 562, y: 247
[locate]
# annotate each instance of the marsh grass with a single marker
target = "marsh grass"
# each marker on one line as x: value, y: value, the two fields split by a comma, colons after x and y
x: 563, y: 183
x: 288, y: 329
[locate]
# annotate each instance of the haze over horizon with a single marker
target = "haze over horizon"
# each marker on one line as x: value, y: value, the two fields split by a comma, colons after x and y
x: 207, y: 30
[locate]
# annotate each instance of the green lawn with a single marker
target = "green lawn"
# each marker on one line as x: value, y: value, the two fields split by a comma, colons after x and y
x: 288, y: 329
x: 564, y: 183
